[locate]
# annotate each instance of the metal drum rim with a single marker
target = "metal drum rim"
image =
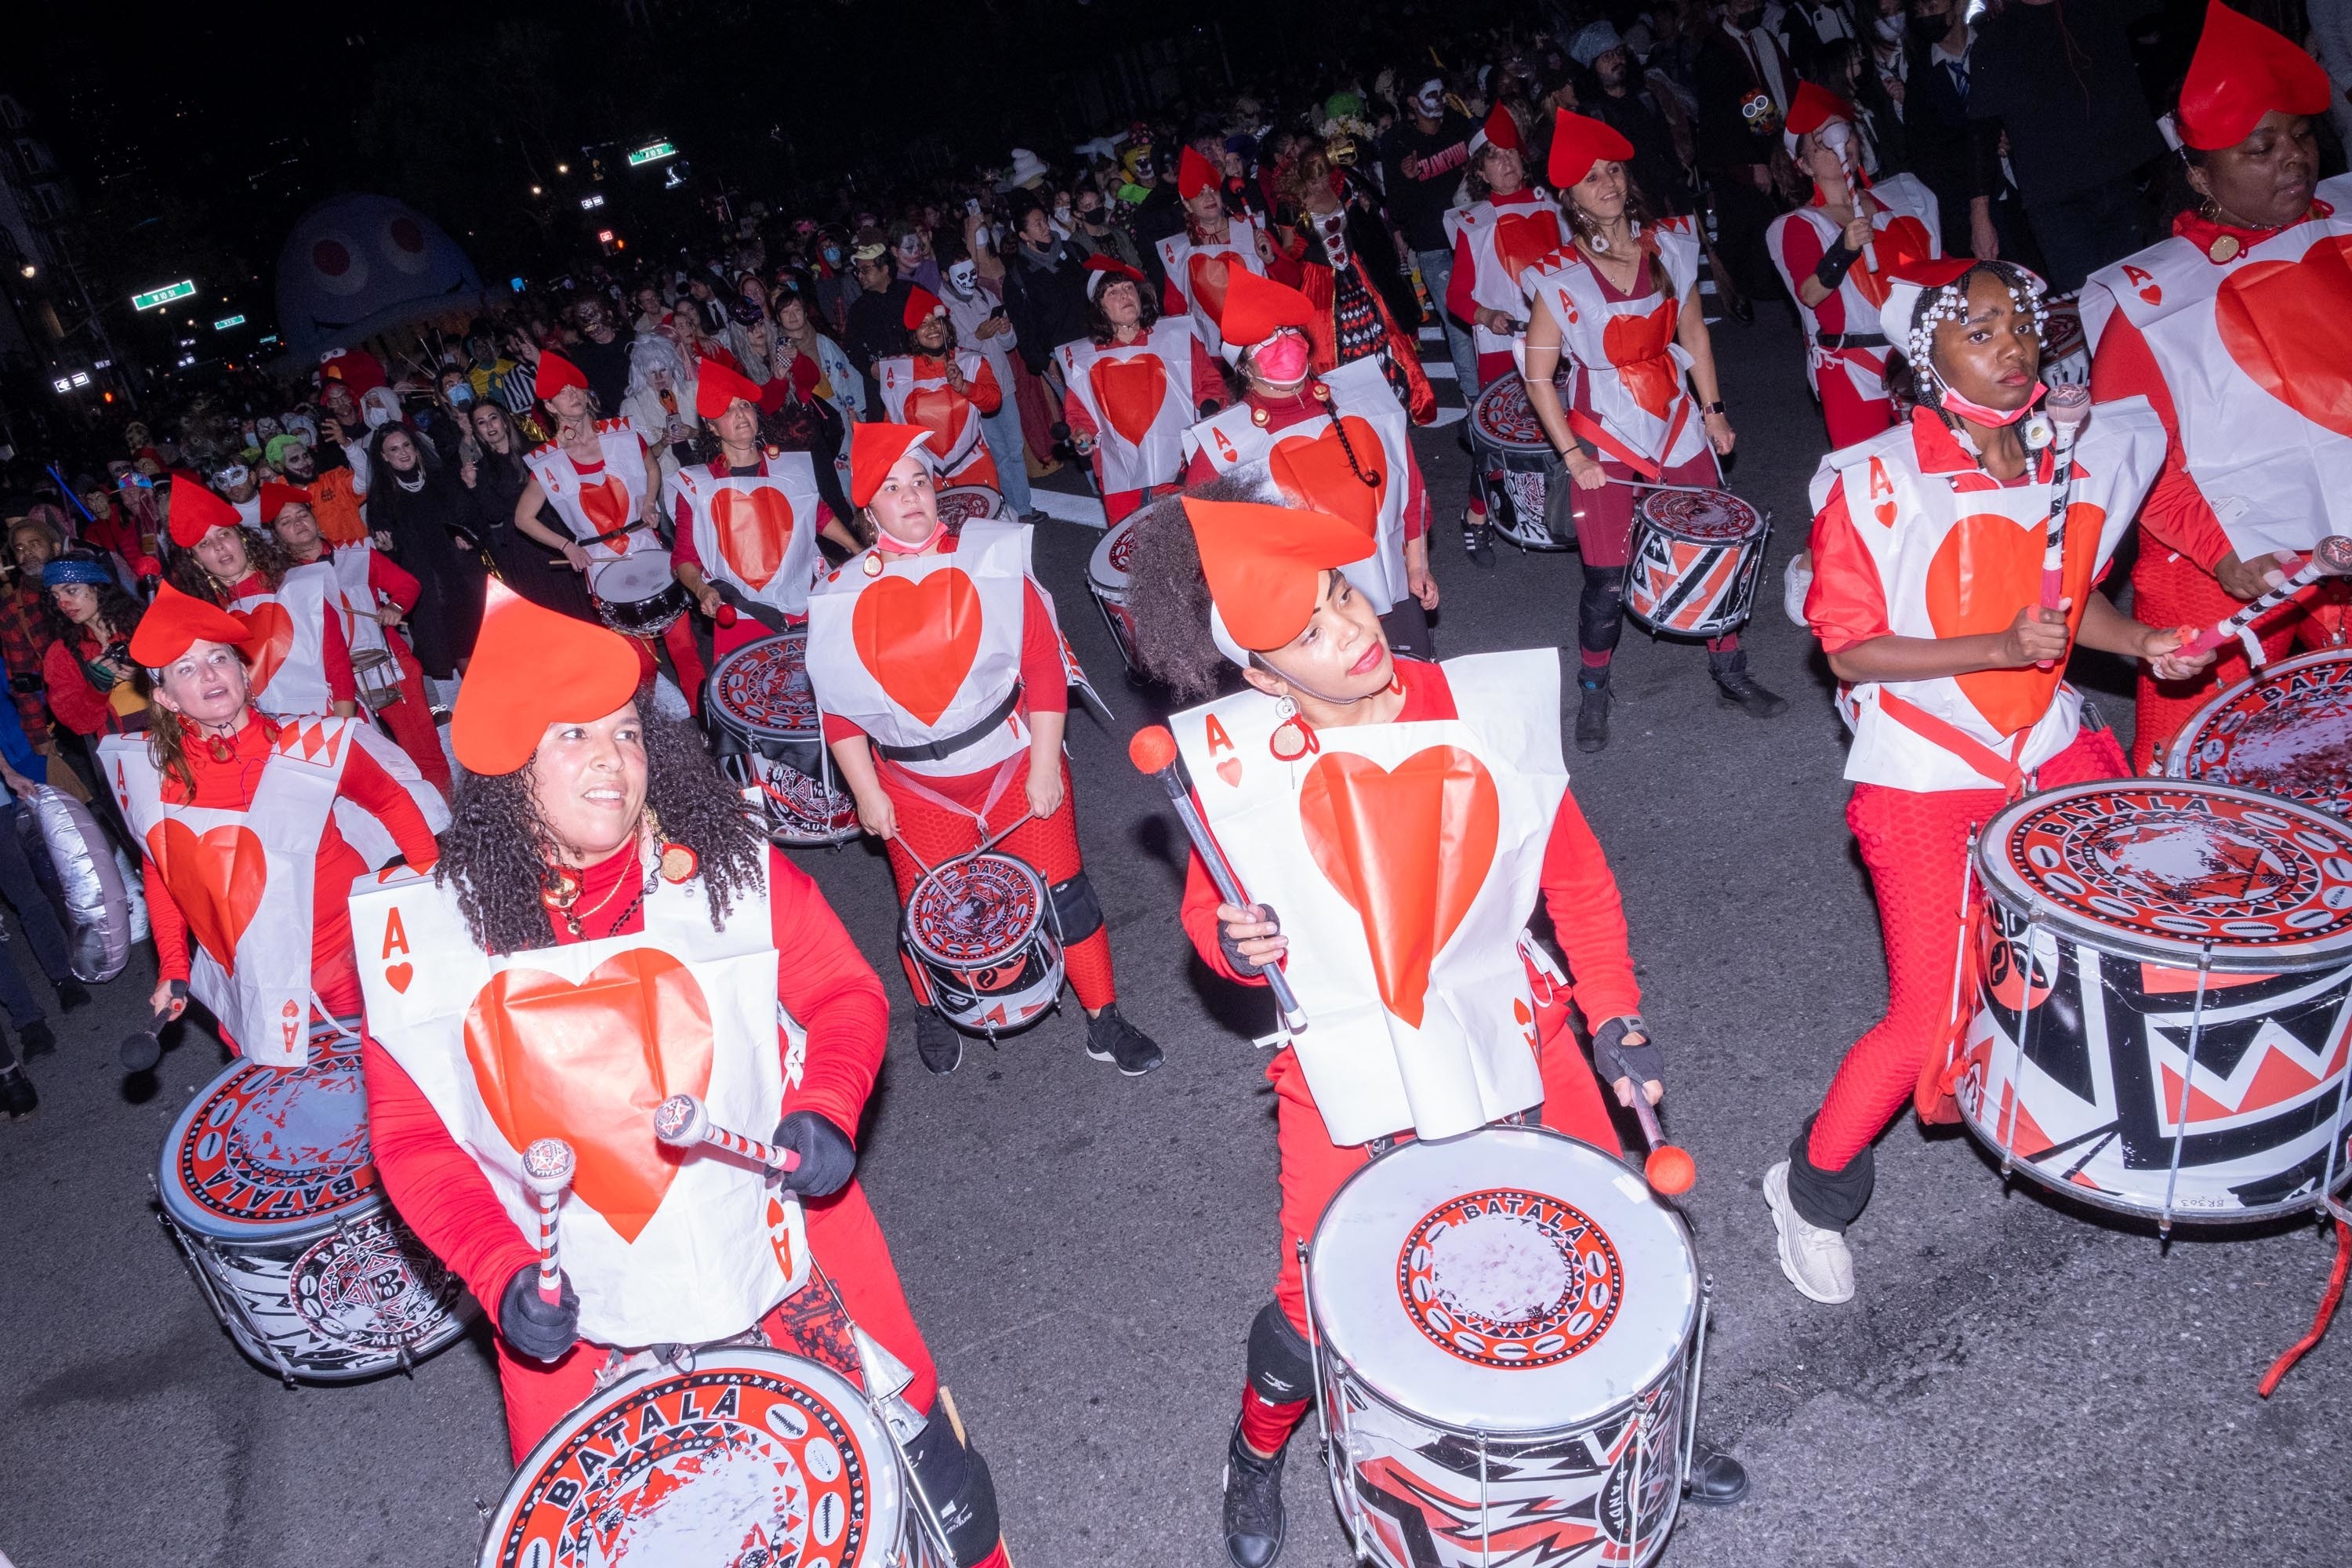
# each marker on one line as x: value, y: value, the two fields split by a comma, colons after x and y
x: 2184, y: 741
x: 1481, y: 435
x: 1099, y: 562
x: 1763, y: 518
x: 959, y: 966
x: 742, y: 726
x: 210, y: 1226
x: 2171, y: 952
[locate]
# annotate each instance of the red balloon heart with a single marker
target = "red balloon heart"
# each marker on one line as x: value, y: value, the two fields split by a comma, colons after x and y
x: 1637, y: 345
x: 217, y: 879
x: 589, y: 1063
x: 918, y: 639
x: 1314, y: 471
x: 1210, y: 275
x: 1408, y: 849
x: 755, y: 528
x: 269, y: 638
x: 1899, y: 245
x: 1987, y: 569
x: 1130, y: 392
x: 2289, y: 325
x: 605, y: 504
x: 1524, y: 238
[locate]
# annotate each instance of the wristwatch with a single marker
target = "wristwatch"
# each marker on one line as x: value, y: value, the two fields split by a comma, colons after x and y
x: 1715, y: 407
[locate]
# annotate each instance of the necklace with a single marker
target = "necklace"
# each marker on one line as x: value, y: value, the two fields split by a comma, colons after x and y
x: 562, y: 898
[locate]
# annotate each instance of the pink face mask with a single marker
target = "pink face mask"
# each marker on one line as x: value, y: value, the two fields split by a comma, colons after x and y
x: 1993, y: 417
x: 1283, y: 361
x: 890, y: 544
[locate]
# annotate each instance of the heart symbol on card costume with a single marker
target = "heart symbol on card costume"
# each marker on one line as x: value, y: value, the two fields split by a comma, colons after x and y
x: 1230, y: 770
x: 216, y: 878
x: 1522, y: 239
x: 1210, y: 273
x: 1409, y: 848
x: 589, y: 1063
x: 605, y: 504
x: 918, y: 639
x: 1901, y: 243
x: 268, y: 639
x: 1989, y: 567
x: 1130, y: 392
x: 1637, y: 346
x: 2289, y: 326
x: 399, y: 976
x: 1314, y: 471
x: 755, y: 528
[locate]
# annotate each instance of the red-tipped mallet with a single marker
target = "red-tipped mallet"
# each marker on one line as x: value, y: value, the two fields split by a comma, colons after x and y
x: 1670, y: 1171
x: 682, y: 1122
x: 1153, y: 751
x: 547, y: 1168
x: 2331, y: 557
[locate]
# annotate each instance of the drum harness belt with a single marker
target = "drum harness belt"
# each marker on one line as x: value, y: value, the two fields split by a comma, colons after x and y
x: 1959, y: 743
x: 1852, y: 340
x: 941, y: 750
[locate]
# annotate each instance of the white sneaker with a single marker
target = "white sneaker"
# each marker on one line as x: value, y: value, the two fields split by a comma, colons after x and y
x: 1816, y: 1262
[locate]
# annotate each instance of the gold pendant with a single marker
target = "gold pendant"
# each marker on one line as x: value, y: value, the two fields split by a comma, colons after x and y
x: 2225, y: 248
x: 677, y: 863
x: 873, y: 564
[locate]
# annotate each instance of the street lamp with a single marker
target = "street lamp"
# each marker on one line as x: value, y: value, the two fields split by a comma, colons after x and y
x: 29, y: 269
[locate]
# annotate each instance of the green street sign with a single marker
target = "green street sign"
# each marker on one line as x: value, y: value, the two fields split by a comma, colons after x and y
x: 164, y: 296
x: 225, y: 323
x: 653, y: 154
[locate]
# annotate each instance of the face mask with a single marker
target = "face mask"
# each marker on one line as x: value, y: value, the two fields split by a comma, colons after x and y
x: 1746, y: 20
x: 1995, y: 418
x: 963, y: 276
x: 1890, y: 28
x: 460, y: 394
x: 1063, y: 212
x: 1283, y: 361
x: 1928, y: 29
x: 889, y: 544
x: 832, y: 255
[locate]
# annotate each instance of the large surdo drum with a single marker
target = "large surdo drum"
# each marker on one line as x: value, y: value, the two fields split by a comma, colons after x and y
x: 1523, y: 480
x: 982, y: 932
x: 1697, y: 556
x: 765, y: 727
x: 2287, y: 731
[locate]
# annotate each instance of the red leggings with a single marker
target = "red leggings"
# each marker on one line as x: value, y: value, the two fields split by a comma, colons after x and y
x: 2171, y: 590
x: 1050, y: 848
x: 1914, y: 843
x: 1851, y: 416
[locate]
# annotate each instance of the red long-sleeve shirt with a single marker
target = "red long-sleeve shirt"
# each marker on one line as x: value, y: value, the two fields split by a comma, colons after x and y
x: 1588, y: 916
x: 821, y: 980
x: 78, y: 706
x: 1298, y: 410
x: 230, y: 785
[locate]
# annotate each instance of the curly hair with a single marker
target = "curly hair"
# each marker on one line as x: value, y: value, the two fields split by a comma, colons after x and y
x: 263, y: 553
x: 1098, y: 324
x: 118, y: 608
x: 498, y: 852
x: 1168, y: 598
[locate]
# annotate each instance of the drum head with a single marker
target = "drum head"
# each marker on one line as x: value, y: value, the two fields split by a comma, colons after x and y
x: 1107, y: 569
x: 1503, y: 418
x: 959, y: 504
x: 979, y: 911
x: 2062, y: 329
x: 754, y: 1457
x: 640, y: 574
x: 2287, y: 731
x: 762, y: 689
x: 2155, y: 870
x: 1510, y: 1280
x: 264, y: 1152
x: 1709, y: 517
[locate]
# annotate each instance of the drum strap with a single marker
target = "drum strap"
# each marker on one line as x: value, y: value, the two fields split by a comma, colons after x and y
x: 1959, y: 743
x: 914, y: 785
x: 941, y: 750
x: 1852, y: 340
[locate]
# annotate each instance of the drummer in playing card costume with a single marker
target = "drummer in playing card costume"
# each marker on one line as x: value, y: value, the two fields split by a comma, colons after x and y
x: 941, y: 676
x: 1393, y: 822
x: 607, y: 929
x: 1620, y: 306
x: 1217, y: 246
x: 599, y: 475
x: 2238, y: 330
x: 1836, y: 255
x: 1134, y: 383
x: 747, y: 520
x: 253, y: 832
x: 300, y: 660
x: 1338, y: 442
x: 946, y: 389
x: 1931, y: 600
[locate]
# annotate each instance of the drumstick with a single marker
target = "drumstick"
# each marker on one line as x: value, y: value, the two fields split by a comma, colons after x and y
x: 985, y: 844
x: 547, y: 1171
x: 1669, y: 1170
x: 2331, y: 557
x: 1839, y: 138
x: 1153, y: 751
x: 2069, y: 408
x: 142, y: 1049
x: 682, y: 1122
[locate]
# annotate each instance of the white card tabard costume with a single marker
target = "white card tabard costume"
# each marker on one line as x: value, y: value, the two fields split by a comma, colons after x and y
x: 928, y: 648
x: 1629, y: 367
x: 2254, y: 352
x: 1955, y: 561
x: 957, y: 442
x: 363, y: 632
x: 582, y: 1042
x: 1141, y: 399
x: 1506, y: 243
x: 1907, y: 223
x: 287, y: 650
x: 1306, y: 460
x: 598, y: 507
x: 1187, y: 267
x: 243, y: 880
x: 1403, y: 861
x: 757, y: 534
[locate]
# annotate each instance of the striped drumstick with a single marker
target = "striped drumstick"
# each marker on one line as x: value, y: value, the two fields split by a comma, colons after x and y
x: 2068, y: 408
x: 682, y: 1122
x: 2331, y: 557
x: 547, y: 1167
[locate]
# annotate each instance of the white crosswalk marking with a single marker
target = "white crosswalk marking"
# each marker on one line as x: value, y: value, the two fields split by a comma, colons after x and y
x: 1433, y: 334
x: 1440, y: 370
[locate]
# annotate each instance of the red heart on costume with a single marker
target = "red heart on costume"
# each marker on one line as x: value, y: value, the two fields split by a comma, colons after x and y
x: 269, y: 638
x: 1985, y: 569
x: 2289, y: 325
x: 1409, y: 849
x: 1210, y: 274
x: 918, y: 638
x: 399, y: 976
x: 1130, y: 392
x: 215, y: 878
x: 1898, y: 245
x: 1314, y: 471
x: 941, y: 410
x: 605, y: 504
x: 1524, y: 238
x: 1230, y: 770
x: 589, y: 1063
x: 1637, y: 345
x: 755, y: 528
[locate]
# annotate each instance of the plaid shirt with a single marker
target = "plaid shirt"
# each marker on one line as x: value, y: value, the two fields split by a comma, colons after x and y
x: 25, y: 639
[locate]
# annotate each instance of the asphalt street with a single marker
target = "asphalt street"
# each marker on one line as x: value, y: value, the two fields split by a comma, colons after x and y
x: 2017, y: 1384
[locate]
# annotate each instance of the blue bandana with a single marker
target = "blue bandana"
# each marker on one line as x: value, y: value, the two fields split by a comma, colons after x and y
x: 76, y: 569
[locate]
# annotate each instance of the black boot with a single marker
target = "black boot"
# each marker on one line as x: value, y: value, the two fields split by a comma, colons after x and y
x: 16, y: 1095
x: 35, y: 1039
x: 1253, y: 1504
x: 1740, y: 688
x: 1592, y: 713
x: 1477, y: 543
x: 71, y: 994
x: 1716, y: 1478
x: 1111, y: 1038
x: 938, y: 1042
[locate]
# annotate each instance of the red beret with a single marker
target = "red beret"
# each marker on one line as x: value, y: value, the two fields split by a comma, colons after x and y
x: 1195, y: 174
x: 717, y: 386
x: 1104, y: 269
x: 1256, y: 307
x: 555, y: 374
x: 921, y: 306
x: 508, y: 700
x: 274, y: 496
x: 1265, y: 565
x: 1577, y: 142
x: 1500, y: 131
x: 176, y: 622
x: 874, y: 448
x: 2241, y: 71
x: 196, y: 511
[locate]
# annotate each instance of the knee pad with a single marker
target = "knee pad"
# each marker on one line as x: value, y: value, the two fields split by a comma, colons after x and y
x: 1077, y: 909
x: 1600, y: 607
x: 957, y: 1481
x: 1281, y: 1367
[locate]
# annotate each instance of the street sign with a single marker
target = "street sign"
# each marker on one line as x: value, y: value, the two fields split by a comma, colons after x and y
x: 653, y: 154
x: 225, y: 323
x: 164, y: 296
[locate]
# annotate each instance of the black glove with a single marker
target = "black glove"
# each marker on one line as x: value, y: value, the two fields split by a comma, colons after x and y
x: 827, y: 1161
x: 1834, y: 264
x: 1614, y: 1058
x: 529, y: 1325
x: 1232, y: 948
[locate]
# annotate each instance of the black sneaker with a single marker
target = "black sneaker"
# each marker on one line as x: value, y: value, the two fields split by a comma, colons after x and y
x: 16, y: 1095
x: 1591, y: 716
x: 1739, y: 688
x: 36, y: 1040
x: 1716, y: 1478
x: 1111, y: 1038
x: 1254, y: 1522
x: 71, y: 995
x: 938, y: 1042
x: 1477, y: 543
